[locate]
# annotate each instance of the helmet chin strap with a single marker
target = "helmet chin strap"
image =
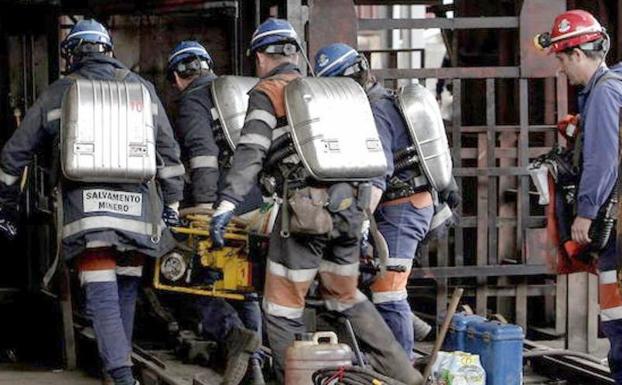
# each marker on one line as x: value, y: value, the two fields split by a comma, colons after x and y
x: 304, y: 55
x: 607, y: 46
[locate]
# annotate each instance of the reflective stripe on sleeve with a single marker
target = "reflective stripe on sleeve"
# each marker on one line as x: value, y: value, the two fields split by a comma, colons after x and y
x: 171, y: 171
x: 280, y: 131
x: 204, y: 161
x: 53, y: 115
x: 262, y: 116
x: 257, y: 139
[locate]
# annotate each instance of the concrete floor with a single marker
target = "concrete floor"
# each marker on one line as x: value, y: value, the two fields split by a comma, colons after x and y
x: 19, y: 374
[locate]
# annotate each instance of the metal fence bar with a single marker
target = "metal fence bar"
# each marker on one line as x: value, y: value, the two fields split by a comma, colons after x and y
x: 473, y: 271
x: 447, y: 73
x: 456, y: 148
x: 493, y: 234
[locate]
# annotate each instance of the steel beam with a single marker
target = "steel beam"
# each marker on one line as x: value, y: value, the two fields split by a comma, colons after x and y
x: 490, y: 171
x: 448, y: 73
x: 536, y: 17
x: 481, y: 271
x: 531, y: 222
x: 331, y: 21
x: 398, y: 2
x: 506, y: 22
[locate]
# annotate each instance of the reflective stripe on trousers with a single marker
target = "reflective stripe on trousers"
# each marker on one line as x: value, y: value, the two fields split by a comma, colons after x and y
x: 339, y: 285
x: 391, y: 286
x: 610, y: 300
x: 110, y: 280
x: 285, y: 290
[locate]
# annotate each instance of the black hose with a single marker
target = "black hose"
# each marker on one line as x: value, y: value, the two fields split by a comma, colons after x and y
x: 279, y: 142
x: 278, y: 155
x: 405, y: 163
x: 408, y: 151
x: 354, y: 375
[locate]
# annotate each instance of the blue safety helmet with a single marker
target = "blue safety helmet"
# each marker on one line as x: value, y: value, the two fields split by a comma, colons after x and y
x: 184, y: 52
x: 338, y: 59
x: 275, y: 36
x: 87, y: 31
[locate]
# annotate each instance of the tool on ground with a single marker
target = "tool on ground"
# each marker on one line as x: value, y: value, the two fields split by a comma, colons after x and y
x: 453, y: 305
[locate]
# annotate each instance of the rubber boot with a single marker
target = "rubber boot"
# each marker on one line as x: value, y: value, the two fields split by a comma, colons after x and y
x: 385, y: 354
x: 240, y: 344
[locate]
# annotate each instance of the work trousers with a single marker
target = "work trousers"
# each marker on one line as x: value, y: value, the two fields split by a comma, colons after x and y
x: 403, y: 223
x: 293, y: 264
x: 610, y: 302
x: 110, y: 281
x: 220, y: 316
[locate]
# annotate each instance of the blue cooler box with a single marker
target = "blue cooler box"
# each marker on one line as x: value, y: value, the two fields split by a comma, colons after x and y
x: 500, y: 349
x: 456, y: 337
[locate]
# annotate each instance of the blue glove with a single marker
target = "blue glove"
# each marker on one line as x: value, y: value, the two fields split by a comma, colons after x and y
x: 220, y: 220
x: 8, y: 223
x: 170, y: 216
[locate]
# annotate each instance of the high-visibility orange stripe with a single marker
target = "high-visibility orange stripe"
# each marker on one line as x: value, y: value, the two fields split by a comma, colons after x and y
x: 391, y: 281
x: 281, y: 291
x: 340, y: 287
x: 97, y: 259
x: 609, y: 296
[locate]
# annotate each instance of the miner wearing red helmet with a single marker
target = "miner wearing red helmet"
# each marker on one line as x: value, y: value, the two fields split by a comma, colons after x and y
x: 580, y: 45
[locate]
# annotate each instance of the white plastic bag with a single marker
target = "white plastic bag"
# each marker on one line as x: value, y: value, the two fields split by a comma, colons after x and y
x: 458, y: 368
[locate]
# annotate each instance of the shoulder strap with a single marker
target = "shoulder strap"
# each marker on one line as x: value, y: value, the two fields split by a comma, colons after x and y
x: 274, y: 87
x: 191, y: 90
x: 375, y: 96
x: 576, y: 158
x: 121, y: 73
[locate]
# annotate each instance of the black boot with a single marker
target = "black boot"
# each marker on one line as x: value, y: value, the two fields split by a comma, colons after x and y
x: 240, y: 345
x: 385, y: 354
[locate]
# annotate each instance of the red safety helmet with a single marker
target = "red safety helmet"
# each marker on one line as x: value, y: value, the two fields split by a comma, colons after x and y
x: 571, y: 29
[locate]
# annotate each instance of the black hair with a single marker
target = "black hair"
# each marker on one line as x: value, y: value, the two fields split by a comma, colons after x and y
x: 596, y: 51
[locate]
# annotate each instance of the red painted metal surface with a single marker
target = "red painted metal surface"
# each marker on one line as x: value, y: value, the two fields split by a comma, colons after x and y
x: 331, y: 21
x: 536, y: 17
